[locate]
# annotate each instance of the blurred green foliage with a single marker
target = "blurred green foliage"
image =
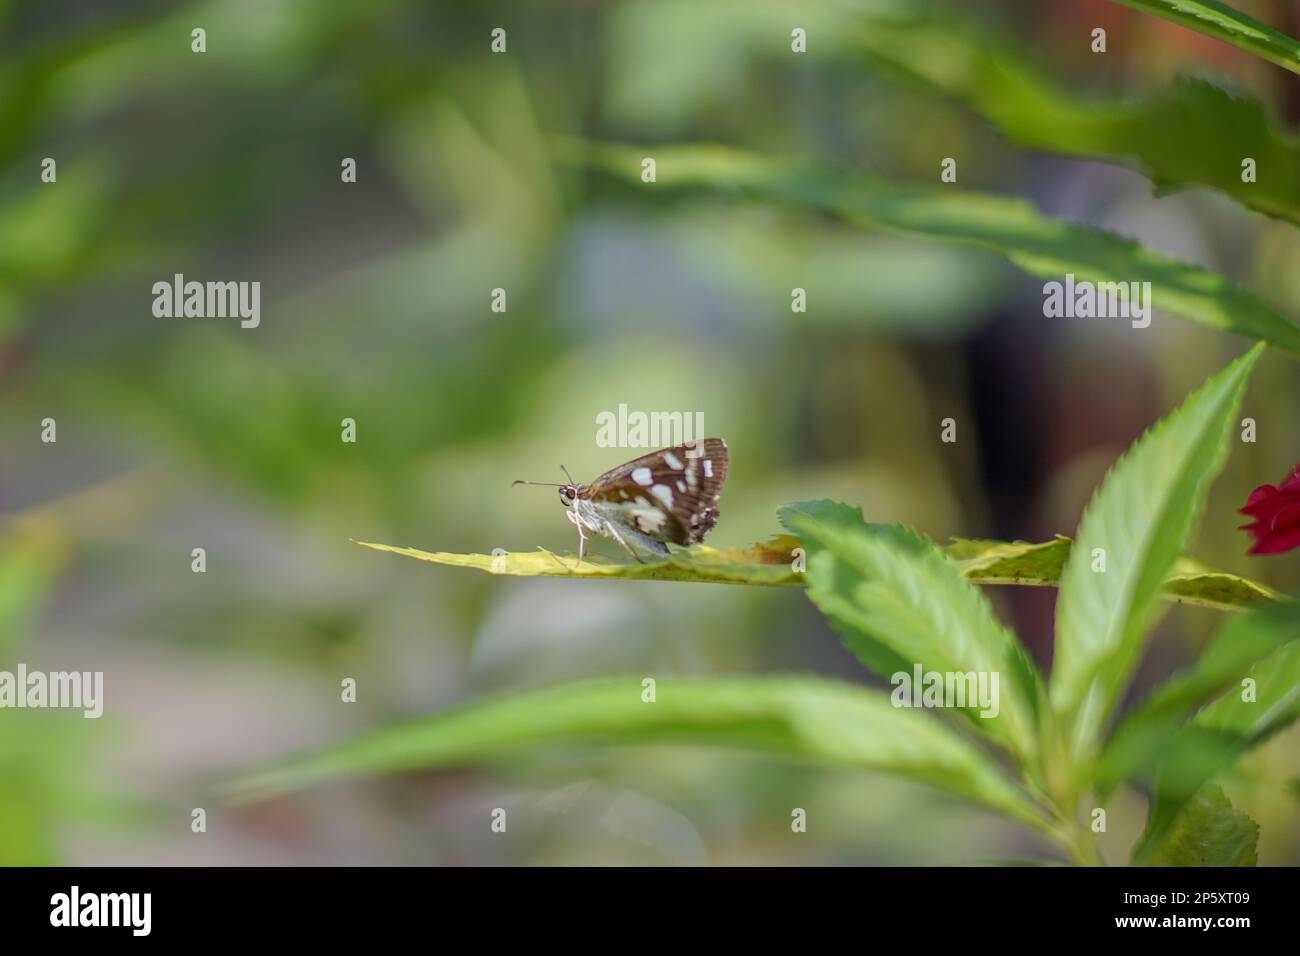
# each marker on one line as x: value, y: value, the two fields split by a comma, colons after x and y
x: 174, y: 434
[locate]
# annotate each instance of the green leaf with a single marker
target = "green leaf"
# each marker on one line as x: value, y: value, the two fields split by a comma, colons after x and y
x: 1184, y: 132
x: 767, y: 563
x: 1040, y: 246
x: 1140, y: 518
x: 1208, y: 831
x: 820, y: 720
x: 823, y: 510
x: 1145, y: 733
x: 1277, y: 703
x: 771, y: 563
x: 899, y: 603
x: 1009, y: 562
x: 1222, y: 22
x: 1040, y: 565
x: 1191, y: 582
x: 1220, y: 734
x: 1189, y: 132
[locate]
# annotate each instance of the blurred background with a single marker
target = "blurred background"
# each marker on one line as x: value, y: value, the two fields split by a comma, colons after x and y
x: 182, y: 433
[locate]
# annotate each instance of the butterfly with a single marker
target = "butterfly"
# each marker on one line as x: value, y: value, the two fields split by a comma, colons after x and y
x: 667, y: 496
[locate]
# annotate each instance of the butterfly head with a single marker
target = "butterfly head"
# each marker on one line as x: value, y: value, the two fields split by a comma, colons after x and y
x: 571, y: 493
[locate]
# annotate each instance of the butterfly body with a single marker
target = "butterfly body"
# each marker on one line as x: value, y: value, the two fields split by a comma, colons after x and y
x: 613, y: 522
x: 667, y: 496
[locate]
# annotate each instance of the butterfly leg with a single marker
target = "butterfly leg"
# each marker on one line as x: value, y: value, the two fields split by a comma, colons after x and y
x: 582, y: 537
x: 609, y: 529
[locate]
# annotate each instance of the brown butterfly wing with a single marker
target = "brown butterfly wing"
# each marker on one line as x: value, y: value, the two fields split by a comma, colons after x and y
x: 672, y: 493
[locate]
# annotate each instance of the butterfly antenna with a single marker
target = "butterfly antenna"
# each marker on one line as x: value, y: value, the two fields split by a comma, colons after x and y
x: 567, y: 475
x: 547, y: 484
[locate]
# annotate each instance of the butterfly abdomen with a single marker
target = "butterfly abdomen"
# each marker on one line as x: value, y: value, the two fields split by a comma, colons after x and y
x: 702, y: 523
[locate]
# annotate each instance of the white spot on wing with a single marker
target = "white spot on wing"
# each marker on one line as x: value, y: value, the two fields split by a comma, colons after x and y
x: 672, y: 460
x: 681, y: 486
x: 649, y: 519
x: 663, y: 493
x: 642, y: 476
x: 708, y: 468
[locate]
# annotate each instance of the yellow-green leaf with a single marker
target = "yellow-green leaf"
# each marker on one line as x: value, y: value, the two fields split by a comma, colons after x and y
x: 773, y: 563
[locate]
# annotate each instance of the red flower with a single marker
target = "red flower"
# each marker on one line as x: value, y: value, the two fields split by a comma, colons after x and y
x: 1277, y: 516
